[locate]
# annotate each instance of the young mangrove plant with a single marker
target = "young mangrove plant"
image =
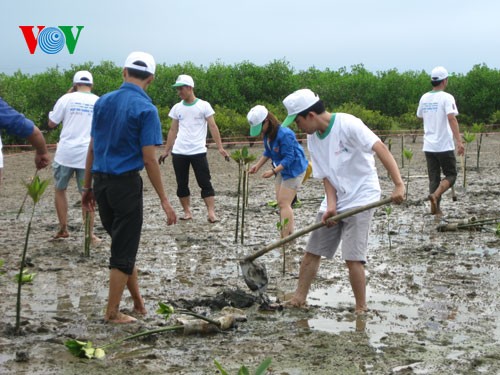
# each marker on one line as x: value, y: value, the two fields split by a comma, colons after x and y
x: 86, y: 242
x: 388, y: 212
x: 21, y: 208
x: 35, y: 190
x: 243, y: 158
x: 261, y: 369
x: 282, y: 227
x: 468, y: 139
x: 408, y: 155
x: 478, y: 129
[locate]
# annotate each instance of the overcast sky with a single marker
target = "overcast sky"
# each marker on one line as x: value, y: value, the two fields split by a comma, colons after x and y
x: 382, y: 35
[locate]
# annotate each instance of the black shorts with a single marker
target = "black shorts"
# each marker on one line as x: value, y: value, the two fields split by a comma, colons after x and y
x: 119, y: 199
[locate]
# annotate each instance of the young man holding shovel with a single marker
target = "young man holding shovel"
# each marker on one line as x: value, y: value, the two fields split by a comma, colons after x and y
x: 341, y: 148
x: 438, y: 110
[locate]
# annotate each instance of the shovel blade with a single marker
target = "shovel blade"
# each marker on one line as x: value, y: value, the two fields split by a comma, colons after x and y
x: 255, y: 275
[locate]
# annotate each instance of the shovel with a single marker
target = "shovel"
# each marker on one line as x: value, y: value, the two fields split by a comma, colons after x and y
x: 255, y: 275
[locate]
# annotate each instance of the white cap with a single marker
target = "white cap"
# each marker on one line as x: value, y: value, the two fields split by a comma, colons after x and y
x: 137, y: 60
x: 439, y: 73
x: 83, y: 76
x: 255, y: 118
x: 183, y: 80
x: 297, y: 102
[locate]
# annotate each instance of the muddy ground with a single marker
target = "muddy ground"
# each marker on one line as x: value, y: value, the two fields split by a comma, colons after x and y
x: 434, y: 297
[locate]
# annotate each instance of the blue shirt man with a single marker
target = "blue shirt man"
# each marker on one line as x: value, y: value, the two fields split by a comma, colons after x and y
x: 125, y: 130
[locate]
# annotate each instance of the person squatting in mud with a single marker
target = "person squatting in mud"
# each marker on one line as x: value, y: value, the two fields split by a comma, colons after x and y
x: 125, y: 132
x: 438, y: 110
x: 341, y: 148
x: 289, y: 162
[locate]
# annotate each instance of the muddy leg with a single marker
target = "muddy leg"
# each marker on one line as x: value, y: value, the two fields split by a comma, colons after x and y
x: 61, y: 203
x: 435, y: 197
x: 210, y: 203
x: 358, y: 283
x: 308, y: 270
x: 117, y: 282
x: 133, y: 288
x: 186, y: 207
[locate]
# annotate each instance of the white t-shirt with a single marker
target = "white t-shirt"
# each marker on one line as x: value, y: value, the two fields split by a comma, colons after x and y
x: 192, y: 135
x: 434, y: 107
x: 75, y: 111
x: 344, y: 155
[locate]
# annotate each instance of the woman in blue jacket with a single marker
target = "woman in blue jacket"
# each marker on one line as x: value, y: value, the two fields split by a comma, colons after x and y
x: 289, y: 162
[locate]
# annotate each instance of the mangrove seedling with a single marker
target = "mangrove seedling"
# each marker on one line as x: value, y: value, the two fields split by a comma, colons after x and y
x: 243, y: 158
x: 468, y: 138
x: 24, y: 199
x: 408, y: 155
x: 86, y: 242
x: 35, y: 190
x: 388, y: 212
x: 478, y: 129
x: 261, y: 369
x: 282, y: 227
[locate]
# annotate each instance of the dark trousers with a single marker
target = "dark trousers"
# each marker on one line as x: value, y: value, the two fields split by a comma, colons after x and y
x: 438, y: 162
x: 199, y: 162
x: 119, y: 199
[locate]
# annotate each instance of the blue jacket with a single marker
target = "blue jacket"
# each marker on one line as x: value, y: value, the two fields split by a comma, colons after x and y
x: 14, y: 122
x: 285, y: 150
x: 124, y: 121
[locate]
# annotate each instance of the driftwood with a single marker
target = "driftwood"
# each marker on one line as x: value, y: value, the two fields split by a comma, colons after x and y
x: 224, y: 322
x: 467, y: 224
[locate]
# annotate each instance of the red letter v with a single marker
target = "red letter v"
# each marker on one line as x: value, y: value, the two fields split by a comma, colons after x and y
x: 29, y: 37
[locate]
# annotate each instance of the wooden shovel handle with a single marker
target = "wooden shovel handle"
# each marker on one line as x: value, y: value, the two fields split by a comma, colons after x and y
x: 312, y: 227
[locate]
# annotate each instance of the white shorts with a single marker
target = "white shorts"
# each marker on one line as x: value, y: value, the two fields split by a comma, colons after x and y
x: 352, y: 231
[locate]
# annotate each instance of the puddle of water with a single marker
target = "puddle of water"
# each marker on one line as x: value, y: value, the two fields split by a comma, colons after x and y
x: 395, y: 313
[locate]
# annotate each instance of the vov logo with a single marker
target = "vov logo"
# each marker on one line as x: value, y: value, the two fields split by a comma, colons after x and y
x: 51, y: 40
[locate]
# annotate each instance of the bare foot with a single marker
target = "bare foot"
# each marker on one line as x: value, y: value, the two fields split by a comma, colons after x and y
x: 61, y: 234
x: 186, y: 217
x: 294, y: 303
x: 360, y: 311
x: 95, y: 241
x: 120, y: 318
x: 434, y: 203
x: 140, y: 308
x: 212, y: 219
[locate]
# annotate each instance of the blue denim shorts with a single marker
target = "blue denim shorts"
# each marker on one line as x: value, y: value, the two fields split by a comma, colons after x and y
x: 63, y: 174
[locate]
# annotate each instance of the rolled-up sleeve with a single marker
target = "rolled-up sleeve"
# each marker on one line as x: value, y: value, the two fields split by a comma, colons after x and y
x: 14, y: 122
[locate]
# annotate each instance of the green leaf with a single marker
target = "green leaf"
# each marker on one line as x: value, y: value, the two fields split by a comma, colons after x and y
x: 243, y: 371
x: 272, y: 204
x: 99, y: 353
x: 25, y: 278
x: 408, y: 154
x: 36, y: 188
x: 75, y: 347
x: 219, y: 367
x: 469, y: 137
x: 236, y: 155
x: 263, y: 366
x: 165, y: 310
x: 244, y: 152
